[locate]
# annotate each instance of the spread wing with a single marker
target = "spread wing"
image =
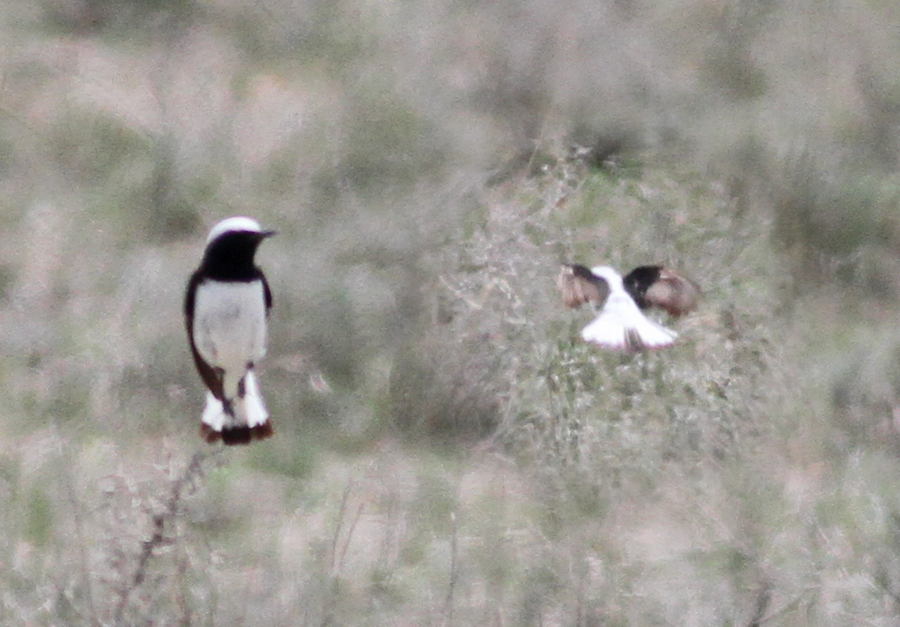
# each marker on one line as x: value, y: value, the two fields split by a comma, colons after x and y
x: 578, y: 286
x: 662, y: 287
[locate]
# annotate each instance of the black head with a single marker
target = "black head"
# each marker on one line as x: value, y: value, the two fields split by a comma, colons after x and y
x: 230, y: 250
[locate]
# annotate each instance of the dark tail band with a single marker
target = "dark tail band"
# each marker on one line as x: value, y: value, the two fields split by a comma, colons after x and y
x: 237, y: 435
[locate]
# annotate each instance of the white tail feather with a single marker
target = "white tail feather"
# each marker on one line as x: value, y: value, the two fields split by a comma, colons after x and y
x: 249, y: 411
x: 254, y: 408
x: 622, y: 326
x: 214, y: 414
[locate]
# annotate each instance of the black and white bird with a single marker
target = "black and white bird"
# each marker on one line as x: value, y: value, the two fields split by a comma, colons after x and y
x: 620, y: 324
x: 225, y: 310
x: 663, y: 288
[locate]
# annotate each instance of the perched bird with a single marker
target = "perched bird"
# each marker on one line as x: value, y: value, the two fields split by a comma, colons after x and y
x: 620, y: 324
x: 225, y: 311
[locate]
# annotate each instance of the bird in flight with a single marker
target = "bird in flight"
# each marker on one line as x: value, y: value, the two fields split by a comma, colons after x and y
x: 620, y: 323
x: 226, y: 308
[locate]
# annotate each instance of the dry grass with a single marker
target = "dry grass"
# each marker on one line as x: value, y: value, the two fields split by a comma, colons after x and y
x: 446, y: 452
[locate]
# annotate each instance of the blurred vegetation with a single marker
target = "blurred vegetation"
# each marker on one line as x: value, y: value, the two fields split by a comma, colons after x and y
x: 446, y: 451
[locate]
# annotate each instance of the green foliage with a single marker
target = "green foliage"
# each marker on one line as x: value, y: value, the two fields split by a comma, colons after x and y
x: 386, y: 144
x: 39, y: 521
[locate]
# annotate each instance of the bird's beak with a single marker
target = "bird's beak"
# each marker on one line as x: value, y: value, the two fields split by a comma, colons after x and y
x: 267, y: 234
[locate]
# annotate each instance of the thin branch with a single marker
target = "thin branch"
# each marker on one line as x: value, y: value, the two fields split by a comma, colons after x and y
x: 763, y: 598
x: 454, y: 571
x: 337, y: 527
x: 160, y: 522
x: 339, y: 552
x: 349, y: 538
x: 78, y: 522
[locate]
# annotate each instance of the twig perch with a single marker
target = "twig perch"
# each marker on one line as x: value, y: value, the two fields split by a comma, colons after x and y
x: 158, y: 538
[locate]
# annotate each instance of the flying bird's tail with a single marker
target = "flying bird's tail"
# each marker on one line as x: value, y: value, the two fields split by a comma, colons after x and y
x: 627, y: 331
x: 244, y: 419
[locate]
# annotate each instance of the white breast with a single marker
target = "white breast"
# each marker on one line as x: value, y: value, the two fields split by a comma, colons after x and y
x: 230, y: 324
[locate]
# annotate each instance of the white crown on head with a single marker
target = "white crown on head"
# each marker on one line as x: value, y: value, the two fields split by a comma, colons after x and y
x: 234, y: 224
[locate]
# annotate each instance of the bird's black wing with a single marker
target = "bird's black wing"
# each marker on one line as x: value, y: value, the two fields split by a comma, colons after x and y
x: 267, y: 293
x: 638, y: 281
x: 211, y: 378
x: 659, y: 286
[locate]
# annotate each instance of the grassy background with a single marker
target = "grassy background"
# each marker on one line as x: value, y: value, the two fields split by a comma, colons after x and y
x: 446, y: 452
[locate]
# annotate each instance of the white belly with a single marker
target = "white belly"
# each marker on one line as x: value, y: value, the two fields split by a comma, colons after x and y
x: 230, y: 326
